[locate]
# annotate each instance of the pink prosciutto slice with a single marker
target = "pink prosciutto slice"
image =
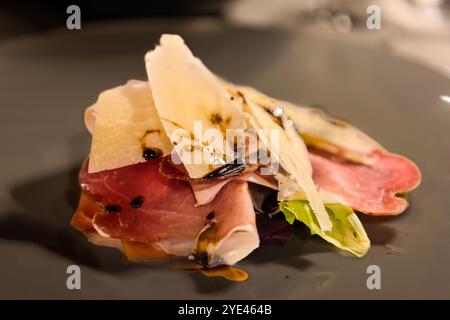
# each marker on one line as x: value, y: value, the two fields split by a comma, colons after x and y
x: 141, y: 204
x: 349, y: 167
x: 372, y: 189
x: 205, y: 191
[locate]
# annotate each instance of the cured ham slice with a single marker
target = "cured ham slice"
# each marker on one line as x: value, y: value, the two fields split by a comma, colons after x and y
x: 232, y: 204
x: 205, y: 191
x: 141, y: 250
x: 82, y: 221
x: 140, y: 204
x: 148, y: 221
x: 370, y: 189
x: 349, y: 167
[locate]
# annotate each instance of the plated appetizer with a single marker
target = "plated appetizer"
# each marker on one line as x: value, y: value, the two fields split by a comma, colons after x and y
x: 189, y: 165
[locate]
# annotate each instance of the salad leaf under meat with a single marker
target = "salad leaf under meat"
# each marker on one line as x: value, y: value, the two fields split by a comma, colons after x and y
x: 347, y: 232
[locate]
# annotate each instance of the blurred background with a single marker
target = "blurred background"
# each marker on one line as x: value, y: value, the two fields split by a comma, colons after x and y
x: 419, y: 29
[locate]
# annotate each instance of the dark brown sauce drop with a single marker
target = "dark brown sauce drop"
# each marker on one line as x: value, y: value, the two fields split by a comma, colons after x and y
x: 147, y: 152
x: 151, y: 153
x: 112, y: 208
x: 215, y: 118
x: 137, y: 202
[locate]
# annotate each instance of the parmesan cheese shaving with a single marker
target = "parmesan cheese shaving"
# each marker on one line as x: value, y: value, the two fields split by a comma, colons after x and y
x: 316, y: 127
x: 292, y: 155
x: 124, y: 123
x: 186, y: 93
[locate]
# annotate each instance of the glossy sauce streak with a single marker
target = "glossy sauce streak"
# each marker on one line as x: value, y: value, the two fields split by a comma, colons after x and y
x: 330, y: 151
x: 276, y: 119
x: 149, y: 153
x: 227, y: 272
x: 208, y: 235
x: 230, y: 169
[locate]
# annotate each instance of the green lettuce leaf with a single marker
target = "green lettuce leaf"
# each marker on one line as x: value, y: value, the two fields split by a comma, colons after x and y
x: 347, y: 233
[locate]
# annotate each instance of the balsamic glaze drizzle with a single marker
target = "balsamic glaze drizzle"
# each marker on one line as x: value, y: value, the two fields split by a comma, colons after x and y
x: 112, y: 208
x: 151, y: 153
x: 137, y: 202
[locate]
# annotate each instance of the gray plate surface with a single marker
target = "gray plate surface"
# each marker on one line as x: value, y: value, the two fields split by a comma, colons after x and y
x: 47, y: 80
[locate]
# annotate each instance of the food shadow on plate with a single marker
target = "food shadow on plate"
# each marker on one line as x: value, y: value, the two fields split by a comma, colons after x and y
x: 44, y: 207
x: 301, y: 245
x: 41, y: 215
x: 378, y: 229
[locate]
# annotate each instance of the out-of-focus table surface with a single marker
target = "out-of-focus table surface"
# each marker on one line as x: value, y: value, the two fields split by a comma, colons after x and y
x: 418, y: 30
